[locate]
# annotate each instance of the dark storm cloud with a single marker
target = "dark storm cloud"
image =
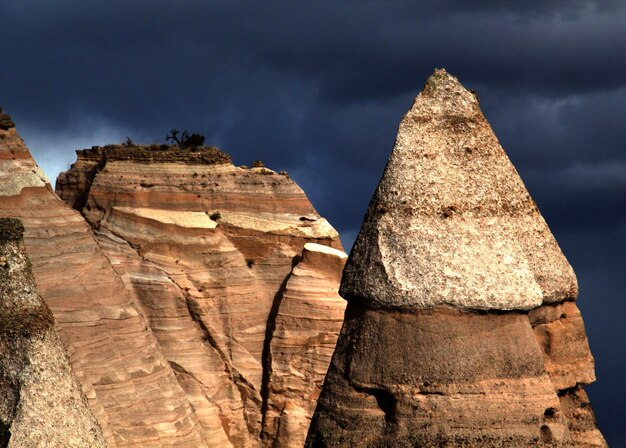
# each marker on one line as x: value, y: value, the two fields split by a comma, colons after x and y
x: 318, y: 88
x: 571, y: 153
x: 598, y: 258
x: 352, y: 52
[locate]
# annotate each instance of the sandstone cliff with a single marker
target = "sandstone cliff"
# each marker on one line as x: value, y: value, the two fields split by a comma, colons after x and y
x: 167, y: 302
x: 206, y: 249
x: 297, y: 374
x: 461, y: 327
x: 41, y: 403
x: 130, y: 386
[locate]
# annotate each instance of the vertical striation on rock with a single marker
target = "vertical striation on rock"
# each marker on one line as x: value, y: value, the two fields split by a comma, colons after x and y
x: 41, y: 403
x: 301, y: 352
x: 461, y: 327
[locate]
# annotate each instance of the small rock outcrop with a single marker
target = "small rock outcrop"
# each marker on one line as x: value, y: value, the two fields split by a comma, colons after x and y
x: 461, y: 327
x: 5, y: 121
x: 41, y: 403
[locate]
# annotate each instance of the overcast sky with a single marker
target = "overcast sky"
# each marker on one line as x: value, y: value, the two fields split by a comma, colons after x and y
x: 318, y: 89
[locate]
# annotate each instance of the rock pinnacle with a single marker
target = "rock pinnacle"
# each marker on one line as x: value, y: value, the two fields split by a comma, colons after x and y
x: 428, y: 355
x: 451, y: 222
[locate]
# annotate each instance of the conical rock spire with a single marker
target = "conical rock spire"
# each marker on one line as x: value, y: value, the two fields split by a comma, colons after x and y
x: 451, y: 222
x: 428, y: 354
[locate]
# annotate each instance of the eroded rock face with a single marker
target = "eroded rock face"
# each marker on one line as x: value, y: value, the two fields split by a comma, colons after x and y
x: 461, y: 327
x: 41, y: 403
x: 301, y: 352
x: 166, y: 302
x: 208, y: 251
x: 130, y: 386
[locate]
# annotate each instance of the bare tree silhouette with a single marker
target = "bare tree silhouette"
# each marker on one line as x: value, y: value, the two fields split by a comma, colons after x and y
x: 185, y: 140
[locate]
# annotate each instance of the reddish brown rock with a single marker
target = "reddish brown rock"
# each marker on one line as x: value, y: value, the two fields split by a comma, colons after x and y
x: 560, y: 332
x: 41, y: 403
x: 436, y: 377
x: 461, y: 328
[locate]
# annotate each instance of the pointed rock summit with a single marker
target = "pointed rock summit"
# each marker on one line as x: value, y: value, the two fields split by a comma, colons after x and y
x: 461, y: 327
x: 451, y: 221
x: 5, y: 121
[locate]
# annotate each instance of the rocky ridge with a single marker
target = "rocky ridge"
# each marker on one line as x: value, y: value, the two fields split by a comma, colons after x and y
x: 131, y: 388
x: 41, y: 403
x: 168, y: 292
x: 461, y: 327
x: 207, y: 249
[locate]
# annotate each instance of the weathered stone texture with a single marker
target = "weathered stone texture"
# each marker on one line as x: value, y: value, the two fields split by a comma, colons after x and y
x: 461, y: 327
x: 166, y: 305
x: 301, y: 350
x: 451, y: 221
x: 130, y: 386
x: 41, y: 403
x: 436, y: 377
x: 205, y: 249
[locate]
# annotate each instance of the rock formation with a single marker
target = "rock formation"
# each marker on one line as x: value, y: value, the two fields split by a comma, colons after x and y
x: 41, y: 403
x: 297, y: 375
x: 461, y: 327
x: 168, y: 299
x: 206, y: 247
x: 130, y: 386
x: 5, y: 121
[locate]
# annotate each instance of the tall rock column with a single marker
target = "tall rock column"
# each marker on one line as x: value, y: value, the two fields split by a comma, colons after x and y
x: 461, y: 327
x: 306, y: 328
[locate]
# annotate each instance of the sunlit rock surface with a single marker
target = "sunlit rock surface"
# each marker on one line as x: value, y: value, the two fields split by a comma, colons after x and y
x: 165, y: 293
x: 41, y: 403
x: 461, y: 327
x: 207, y: 251
x: 306, y: 328
x: 130, y: 386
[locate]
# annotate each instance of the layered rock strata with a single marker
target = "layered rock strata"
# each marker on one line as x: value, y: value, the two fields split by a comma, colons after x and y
x: 206, y: 249
x: 461, y: 327
x: 41, y: 403
x: 167, y: 301
x: 301, y: 352
x: 130, y: 386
